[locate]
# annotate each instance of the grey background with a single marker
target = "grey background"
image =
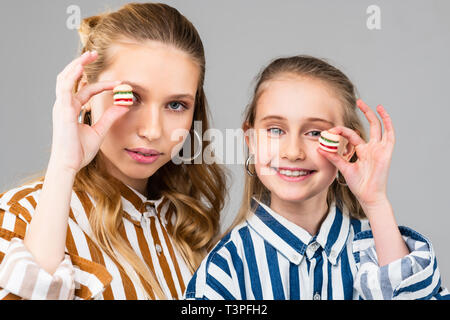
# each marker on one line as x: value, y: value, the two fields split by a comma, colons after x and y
x: 403, y: 66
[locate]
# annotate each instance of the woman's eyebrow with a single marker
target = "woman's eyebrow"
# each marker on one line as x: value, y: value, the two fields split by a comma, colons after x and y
x: 134, y: 85
x: 174, y: 96
x: 186, y: 96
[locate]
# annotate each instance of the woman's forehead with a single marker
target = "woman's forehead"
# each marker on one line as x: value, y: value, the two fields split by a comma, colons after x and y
x: 154, y: 65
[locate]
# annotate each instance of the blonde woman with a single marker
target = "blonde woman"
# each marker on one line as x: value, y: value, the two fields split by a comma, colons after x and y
x: 115, y: 217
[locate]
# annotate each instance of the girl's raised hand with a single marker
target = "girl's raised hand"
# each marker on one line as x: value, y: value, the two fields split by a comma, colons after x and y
x: 367, y: 177
x: 74, y: 145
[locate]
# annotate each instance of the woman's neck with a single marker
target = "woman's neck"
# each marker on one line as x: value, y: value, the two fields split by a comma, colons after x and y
x: 308, y: 214
x: 139, y: 185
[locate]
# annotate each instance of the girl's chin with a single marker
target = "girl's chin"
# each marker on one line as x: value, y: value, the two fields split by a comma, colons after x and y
x: 290, y: 196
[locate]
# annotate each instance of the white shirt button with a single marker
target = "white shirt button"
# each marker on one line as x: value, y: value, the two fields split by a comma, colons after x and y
x: 158, y: 249
x: 316, y: 296
x: 295, y: 258
x: 332, y: 255
x: 312, y: 247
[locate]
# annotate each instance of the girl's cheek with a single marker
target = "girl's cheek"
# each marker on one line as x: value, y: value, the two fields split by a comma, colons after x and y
x: 325, y: 166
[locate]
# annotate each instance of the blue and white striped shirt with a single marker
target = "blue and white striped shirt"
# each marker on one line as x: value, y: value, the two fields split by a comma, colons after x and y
x: 268, y: 257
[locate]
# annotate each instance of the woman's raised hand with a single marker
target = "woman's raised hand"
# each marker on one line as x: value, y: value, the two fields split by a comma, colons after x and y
x: 74, y: 145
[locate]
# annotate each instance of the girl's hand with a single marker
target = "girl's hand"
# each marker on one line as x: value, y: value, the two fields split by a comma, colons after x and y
x: 74, y: 145
x: 367, y: 177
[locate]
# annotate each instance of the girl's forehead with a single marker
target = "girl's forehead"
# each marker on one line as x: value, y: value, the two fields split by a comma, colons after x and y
x: 296, y: 98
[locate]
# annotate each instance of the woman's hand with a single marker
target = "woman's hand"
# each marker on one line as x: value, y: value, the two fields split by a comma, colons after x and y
x: 367, y: 177
x: 74, y: 145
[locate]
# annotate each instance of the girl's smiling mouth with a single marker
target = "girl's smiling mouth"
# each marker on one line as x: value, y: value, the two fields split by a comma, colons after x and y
x: 293, y: 174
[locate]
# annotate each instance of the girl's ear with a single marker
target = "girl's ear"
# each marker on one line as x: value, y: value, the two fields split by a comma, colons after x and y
x: 349, y: 149
x: 249, y: 137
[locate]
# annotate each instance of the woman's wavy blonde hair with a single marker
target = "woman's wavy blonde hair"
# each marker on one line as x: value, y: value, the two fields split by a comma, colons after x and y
x: 195, y: 193
x: 309, y: 67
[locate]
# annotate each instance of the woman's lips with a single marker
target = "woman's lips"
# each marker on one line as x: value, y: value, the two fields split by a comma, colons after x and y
x: 143, y: 155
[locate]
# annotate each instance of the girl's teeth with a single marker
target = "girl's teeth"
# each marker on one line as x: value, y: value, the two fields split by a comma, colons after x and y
x: 294, y: 173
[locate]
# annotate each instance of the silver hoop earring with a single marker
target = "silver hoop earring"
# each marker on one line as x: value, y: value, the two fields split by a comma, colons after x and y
x: 199, y: 151
x: 81, y: 117
x: 247, y: 164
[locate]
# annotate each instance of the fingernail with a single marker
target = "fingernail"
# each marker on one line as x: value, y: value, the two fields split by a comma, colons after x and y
x: 93, y: 52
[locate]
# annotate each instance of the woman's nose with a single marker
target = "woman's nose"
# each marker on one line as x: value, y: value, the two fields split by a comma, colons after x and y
x: 294, y: 149
x: 150, y: 126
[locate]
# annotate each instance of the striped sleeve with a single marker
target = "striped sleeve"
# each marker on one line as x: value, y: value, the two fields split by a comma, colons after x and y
x: 216, y: 278
x: 20, y: 276
x: 415, y: 276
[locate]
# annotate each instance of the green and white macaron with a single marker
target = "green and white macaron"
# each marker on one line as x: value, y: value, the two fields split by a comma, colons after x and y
x: 123, y: 95
x: 329, y: 142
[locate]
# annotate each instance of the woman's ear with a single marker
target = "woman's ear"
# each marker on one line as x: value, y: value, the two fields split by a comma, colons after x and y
x: 82, y: 83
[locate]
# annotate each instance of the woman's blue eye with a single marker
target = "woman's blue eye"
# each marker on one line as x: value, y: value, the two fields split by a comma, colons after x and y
x: 136, y: 98
x: 276, y: 131
x: 176, y: 106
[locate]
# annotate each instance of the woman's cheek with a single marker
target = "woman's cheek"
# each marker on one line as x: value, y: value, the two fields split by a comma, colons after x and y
x: 175, y: 133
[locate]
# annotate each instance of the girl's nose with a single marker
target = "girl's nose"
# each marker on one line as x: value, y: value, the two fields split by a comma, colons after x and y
x: 293, y: 149
x: 150, y: 126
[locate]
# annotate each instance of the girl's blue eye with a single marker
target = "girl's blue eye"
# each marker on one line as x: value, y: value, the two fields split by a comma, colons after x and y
x: 316, y: 131
x: 276, y: 131
x: 176, y: 106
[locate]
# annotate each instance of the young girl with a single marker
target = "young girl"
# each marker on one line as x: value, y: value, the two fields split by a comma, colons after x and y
x: 314, y: 224
x: 111, y: 221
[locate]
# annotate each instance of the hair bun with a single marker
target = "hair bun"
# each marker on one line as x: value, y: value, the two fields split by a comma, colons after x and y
x: 86, y: 27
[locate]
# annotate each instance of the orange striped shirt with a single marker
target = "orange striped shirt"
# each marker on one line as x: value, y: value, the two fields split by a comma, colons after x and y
x: 87, y: 272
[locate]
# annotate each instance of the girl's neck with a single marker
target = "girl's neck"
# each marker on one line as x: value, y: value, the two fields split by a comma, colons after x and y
x: 308, y: 214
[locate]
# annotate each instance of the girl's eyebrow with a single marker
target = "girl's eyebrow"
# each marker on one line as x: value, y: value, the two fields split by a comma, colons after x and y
x: 319, y: 120
x: 273, y: 117
x: 311, y: 119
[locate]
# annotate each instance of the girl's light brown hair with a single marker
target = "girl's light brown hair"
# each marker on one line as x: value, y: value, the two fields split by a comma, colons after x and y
x: 194, y: 193
x: 314, y: 68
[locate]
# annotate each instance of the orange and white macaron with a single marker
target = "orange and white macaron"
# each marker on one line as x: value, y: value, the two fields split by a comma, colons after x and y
x: 329, y: 142
x: 123, y: 95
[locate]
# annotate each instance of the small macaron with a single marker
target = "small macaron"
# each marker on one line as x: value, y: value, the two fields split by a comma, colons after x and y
x: 329, y: 141
x: 123, y: 95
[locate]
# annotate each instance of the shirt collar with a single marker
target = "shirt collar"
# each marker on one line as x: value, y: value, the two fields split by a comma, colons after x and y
x: 135, y: 204
x: 292, y: 240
